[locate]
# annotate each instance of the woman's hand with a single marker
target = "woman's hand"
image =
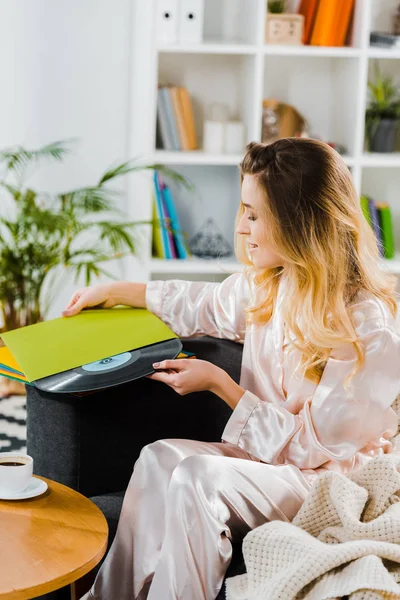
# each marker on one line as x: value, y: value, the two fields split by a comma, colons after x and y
x: 97, y: 295
x: 186, y: 375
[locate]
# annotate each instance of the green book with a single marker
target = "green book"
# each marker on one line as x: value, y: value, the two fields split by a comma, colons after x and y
x: 386, y: 225
x: 365, y: 209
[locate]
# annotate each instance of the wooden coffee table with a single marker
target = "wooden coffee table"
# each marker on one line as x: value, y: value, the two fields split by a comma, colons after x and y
x: 49, y: 542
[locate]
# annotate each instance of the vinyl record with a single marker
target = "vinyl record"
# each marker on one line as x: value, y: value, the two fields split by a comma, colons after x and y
x: 111, y: 370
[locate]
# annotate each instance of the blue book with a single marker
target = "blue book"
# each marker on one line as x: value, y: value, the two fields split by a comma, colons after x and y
x: 175, y: 224
x: 172, y: 124
x: 163, y: 123
x: 161, y: 217
x: 375, y: 224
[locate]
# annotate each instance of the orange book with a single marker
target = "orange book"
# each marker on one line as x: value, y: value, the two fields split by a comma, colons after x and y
x: 178, y: 112
x: 323, y: 33
x: 308, y: 9
x: 343, y: 21
x: 188, y: 118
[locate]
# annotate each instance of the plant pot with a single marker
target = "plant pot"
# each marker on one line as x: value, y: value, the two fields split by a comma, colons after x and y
x: 385, y: 136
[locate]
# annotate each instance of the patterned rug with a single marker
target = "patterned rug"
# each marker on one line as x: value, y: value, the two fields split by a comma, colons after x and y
x: 13, y: 424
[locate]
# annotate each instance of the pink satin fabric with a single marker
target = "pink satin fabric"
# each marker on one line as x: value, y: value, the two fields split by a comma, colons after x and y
x: 187, y: 500
x: 283, y: 418
x: 185, y: 503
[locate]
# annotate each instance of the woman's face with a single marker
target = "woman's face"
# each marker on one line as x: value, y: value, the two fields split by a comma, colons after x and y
x: 252, y: 224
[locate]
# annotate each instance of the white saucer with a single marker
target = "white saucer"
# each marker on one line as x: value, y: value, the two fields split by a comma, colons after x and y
x: 34, y: 488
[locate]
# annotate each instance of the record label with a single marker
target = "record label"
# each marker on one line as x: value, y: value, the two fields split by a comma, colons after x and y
x: 111, y: 362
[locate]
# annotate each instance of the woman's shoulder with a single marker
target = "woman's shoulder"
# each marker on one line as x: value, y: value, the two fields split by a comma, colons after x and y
x: 370, y: 313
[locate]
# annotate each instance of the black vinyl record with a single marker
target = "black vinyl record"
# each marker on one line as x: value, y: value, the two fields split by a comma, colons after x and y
x: 110, y: 371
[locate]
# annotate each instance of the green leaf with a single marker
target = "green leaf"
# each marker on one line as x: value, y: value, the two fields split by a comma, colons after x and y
x: 18, y: 158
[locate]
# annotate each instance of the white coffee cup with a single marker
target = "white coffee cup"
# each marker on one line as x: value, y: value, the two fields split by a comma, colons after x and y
x: 14, y: 479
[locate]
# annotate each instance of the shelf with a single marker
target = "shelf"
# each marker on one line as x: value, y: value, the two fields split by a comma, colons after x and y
x: 376, y: 52
x: 209, y: 47
x: 195, y: 157
x: 195, y: 265
x: 376, y: 159
x: 321, y: 51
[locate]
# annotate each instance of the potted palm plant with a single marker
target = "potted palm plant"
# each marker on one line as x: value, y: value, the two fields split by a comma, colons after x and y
x: 383, y: 112
x: 80, y: 230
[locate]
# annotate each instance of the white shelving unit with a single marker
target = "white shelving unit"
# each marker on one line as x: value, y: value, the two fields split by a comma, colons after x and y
x: 234, y: 66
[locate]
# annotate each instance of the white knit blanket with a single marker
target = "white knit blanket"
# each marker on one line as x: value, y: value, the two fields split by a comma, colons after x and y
x: 343, y: 542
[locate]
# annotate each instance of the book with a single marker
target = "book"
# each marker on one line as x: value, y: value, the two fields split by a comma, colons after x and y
x: 386, y: 225
x: 167, y: 220
x: 188, y: 118
x: 325, y: 20
x: 308, y: 9
x: 365, y: 209
x: 180, y: 243
x: 345, y: 12
x: 178, y: 112
x: 169, y: 111
x: 162, y: 218
x: 163, y: 129
x: 375, y: 224
x: 157, y: 242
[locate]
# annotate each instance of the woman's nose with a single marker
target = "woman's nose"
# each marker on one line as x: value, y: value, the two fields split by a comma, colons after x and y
x: 242, y: 227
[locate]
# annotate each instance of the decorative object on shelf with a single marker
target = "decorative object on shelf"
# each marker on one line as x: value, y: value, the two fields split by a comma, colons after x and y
x: 281, y: 27
x: 167, y: 21
x: 380, y: 39
x: 191, y: 19
x: 281, y: 120
x: 209, y: 242
x: 41, y: 231
x: 217, y: 115
x: 383, y: 113
x: 234, y: 137
x: 340, y: 149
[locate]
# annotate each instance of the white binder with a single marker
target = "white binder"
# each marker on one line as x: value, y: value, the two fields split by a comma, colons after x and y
x: 191, y: 18
x: 167, y: 21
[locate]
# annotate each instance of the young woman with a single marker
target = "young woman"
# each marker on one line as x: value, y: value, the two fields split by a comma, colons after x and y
x: 320, y: 371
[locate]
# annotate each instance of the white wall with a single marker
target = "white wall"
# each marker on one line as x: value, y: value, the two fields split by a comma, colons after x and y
x: 65, y: 71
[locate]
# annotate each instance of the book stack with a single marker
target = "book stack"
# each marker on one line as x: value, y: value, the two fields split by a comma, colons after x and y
x: 379, y: 216
x: 175, y: 122
x: 168, y: 239
x: 326, y: 22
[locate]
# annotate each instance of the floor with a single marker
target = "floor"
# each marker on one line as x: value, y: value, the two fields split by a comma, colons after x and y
x: 13, y: 424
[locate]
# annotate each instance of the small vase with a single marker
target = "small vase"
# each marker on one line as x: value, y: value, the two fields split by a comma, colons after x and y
x: 384, y: 139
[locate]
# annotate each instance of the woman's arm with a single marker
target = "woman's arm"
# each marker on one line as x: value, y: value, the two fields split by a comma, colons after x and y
x: 334, y: 423
x: 193, y: 308
x: 128, y: 293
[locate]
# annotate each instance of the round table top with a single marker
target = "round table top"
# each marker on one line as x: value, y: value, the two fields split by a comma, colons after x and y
x: 49, y: 541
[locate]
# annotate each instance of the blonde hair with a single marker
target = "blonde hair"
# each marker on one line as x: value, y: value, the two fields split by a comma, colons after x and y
x: 315, y: 223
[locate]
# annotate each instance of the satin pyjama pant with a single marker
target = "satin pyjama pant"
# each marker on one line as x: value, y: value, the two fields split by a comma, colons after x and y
x: 185, y: 503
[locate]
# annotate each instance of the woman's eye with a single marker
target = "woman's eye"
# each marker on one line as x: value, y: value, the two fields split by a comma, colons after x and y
x: 251, y: 218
